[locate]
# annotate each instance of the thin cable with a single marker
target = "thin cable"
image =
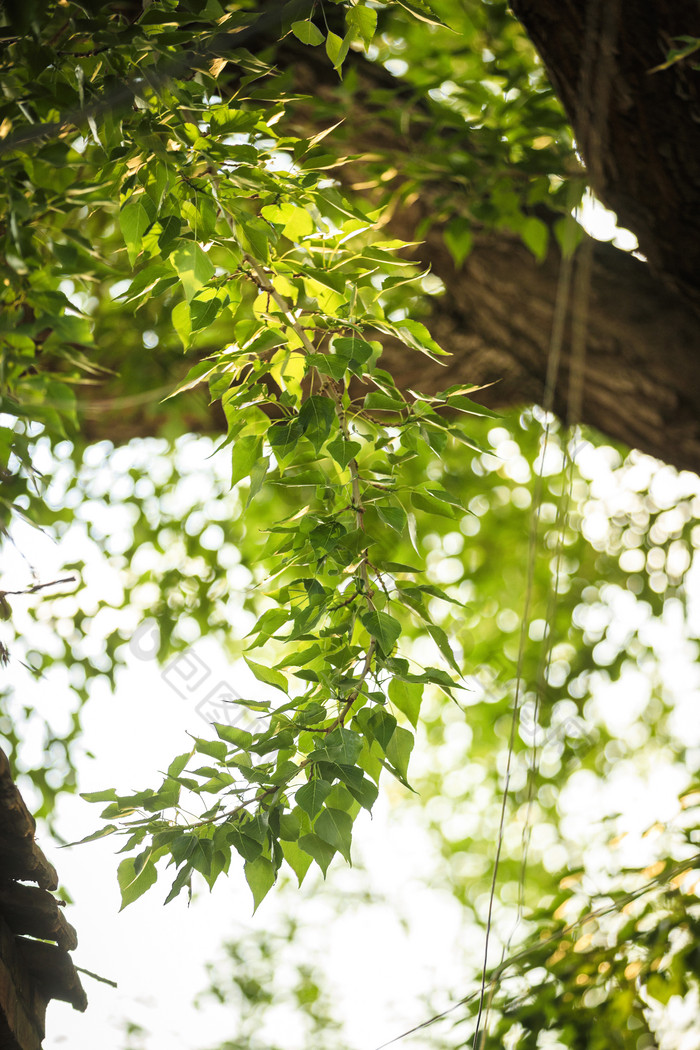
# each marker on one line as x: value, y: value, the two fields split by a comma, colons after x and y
x: 591, y: 89
x: 553, y: 363
x: 522, y: 955
x: 541, y: 677
x: 581, y: 292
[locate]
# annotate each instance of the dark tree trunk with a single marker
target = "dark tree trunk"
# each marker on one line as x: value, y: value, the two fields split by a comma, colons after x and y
x: 638, y: 130
x: 640, y: 381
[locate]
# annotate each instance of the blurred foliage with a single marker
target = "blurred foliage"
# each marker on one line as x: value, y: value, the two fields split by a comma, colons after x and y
x: 269, y: 989
x: 175, y: 222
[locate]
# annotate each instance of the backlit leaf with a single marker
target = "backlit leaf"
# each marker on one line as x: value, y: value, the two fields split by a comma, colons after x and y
x: 335, y: 827
x: 260, y: 875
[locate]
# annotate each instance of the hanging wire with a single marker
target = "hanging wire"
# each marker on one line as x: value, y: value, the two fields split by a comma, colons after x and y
x: 553, y: 365
x: 596, y: 913
x: 593, y: 101
x: 579, y: 306
x: 541, y: 678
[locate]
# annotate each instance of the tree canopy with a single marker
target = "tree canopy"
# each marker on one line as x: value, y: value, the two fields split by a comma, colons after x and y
x: 269, y: 274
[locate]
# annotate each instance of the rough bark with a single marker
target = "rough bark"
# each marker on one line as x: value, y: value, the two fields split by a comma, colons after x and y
x: 31, y: 971
x: 641, y: 369
x: 15, y: 818
x: 53, y: 972
x: 22, y: 1005
x: 21, y: 858
x: 29, y: 909
x: 638, y: 129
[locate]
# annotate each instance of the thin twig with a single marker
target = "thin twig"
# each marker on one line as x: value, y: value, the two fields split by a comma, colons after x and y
x: 96, y: 977
x: 41, y: 586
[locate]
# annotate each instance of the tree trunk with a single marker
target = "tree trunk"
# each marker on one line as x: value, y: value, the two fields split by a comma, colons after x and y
x: 637, y: 126
x: 640, y: 374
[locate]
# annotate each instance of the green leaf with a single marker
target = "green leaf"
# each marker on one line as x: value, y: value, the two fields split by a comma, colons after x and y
x: 307, y: 32
x: 383, y: 628
x: 196, y: 375
x: 220, y: 862
x: 310, y: 714
x: 182, y: 322
x: 310, y: 797
x: 335, y: 827
x: 134, y: 882
x: 268, y: 624
x: 268, y: 675
x: 134, y: 221
x: 260, y: 875
x: 459, y: 239
x: 415, y: 335
x: 399, y: 751
x: 284, y: 434
x: 464, y: 404
x: 245, y: 454
x: 108, y: 795
x: 337, y: 49
x: 182, y: 879
x: 353, y: 348
x: 290, y: 826
x: 296, y: 221
x: 362, y: 22
x: 364, y: 791
x: 248, y: 847
x: 321, y: 851
x: 343, y: 451
x: 394, y: 517
x: 255, y: 235
x: 423, y: 11
x: 535, y: 235
x: 443, y: 644
x: 407, y: 697
x: 257, y: 477
x: 101, y: 833
x: 201, y: 856
x: 446, y: 497
x: 238, y: 737
x: 214, y: 748
x: 568, y: 234
x: 178, y: 764
x: 382, y: 726
x: 378, y: 401
x: 226, y: 119
x: 217, y: 783
x: 327, y: 365
x: 342, y: 745
x: 316, y: 418
x: 193, y: 266
x: 205, y: 309
x: 298, y: 860
x: 426, y: 502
